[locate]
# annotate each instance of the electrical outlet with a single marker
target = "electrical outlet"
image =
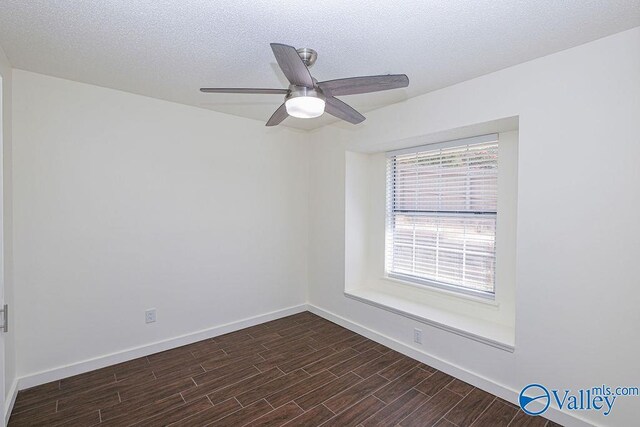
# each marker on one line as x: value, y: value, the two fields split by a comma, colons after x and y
x: 417, y: 336
x: 150, y: 315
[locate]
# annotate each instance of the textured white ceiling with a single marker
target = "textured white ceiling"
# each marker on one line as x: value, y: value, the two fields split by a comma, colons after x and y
x: 168, y: 49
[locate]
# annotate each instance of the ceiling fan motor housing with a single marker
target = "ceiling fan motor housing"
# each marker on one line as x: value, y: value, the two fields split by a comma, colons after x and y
x: 298, y: 91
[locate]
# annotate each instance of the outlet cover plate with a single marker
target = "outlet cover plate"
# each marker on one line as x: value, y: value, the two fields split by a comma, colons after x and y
x: 150, y: 315
x: 417, y: 336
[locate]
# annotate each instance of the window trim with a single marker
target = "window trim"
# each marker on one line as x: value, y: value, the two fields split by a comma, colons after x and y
x: 492, y: 137
x: 443, y: 291
x: 450, y: 288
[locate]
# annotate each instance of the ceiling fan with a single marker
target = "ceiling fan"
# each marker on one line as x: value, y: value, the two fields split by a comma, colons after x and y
x: 306, y: 97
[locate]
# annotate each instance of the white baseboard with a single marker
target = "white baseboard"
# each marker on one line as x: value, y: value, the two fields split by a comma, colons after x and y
x: 81, y: 367
x: 474, y: 379
x: 10, y: 400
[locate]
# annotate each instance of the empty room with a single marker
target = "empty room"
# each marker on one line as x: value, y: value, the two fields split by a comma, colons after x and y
x: 337, y: 213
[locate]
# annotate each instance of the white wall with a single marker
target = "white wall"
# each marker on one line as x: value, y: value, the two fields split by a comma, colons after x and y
x: 123, y: 203
x: 578, y: 237
x: 7, y: 252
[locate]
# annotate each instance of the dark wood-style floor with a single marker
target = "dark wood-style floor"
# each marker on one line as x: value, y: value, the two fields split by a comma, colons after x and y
x: 301, y: 370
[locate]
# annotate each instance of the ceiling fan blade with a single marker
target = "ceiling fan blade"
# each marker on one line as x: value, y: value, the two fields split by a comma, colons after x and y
x: 364, y: 84
x: 291, y: 64
x: 246, y: 90
x: 343, y: 111
x: 278, y: 116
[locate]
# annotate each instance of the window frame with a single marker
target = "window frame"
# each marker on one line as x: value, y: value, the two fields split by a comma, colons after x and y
x: 421, y: 282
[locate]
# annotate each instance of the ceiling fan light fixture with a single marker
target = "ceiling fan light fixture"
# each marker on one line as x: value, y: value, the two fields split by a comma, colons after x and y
x: 305, y: 107
x: 305, y: 103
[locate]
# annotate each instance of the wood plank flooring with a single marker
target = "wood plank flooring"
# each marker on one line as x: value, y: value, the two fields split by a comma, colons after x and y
x: 301, y: 370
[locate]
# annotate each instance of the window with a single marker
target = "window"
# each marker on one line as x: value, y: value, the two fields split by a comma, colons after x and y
x: 441, y: 215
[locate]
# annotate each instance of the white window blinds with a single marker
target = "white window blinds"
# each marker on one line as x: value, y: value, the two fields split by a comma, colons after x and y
x: 441, y: 214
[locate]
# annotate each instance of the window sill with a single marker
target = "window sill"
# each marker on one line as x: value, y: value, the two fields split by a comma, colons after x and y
x: 493, y: 334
